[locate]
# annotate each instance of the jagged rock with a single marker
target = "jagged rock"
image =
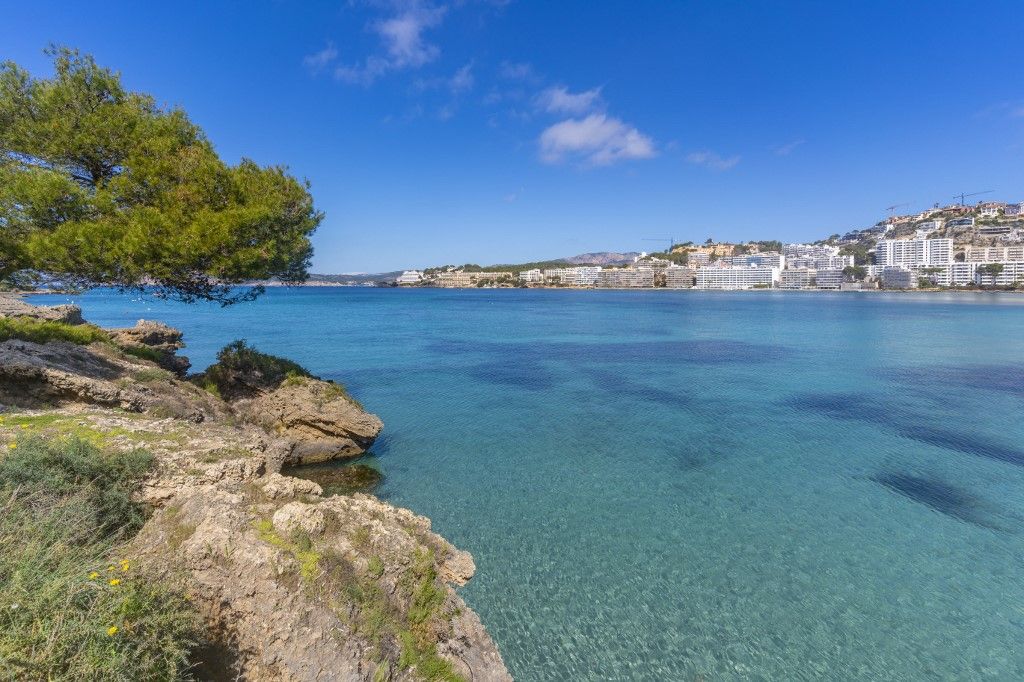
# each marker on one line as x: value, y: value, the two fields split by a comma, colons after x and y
x: 11, y: 306
x: 278, y: 487
x: 288, y: 611
x: 165, y: 340
x: 34, y: 374
x: 297, y: 516
x: 320, y: 421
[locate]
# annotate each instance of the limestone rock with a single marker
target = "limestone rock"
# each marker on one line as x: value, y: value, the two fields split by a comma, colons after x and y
x: 11, y: 306
x: 159, y: 337
x: 316, y: 417
x: 298, y: 516
x: 278, y: 487
x: 287, y: 611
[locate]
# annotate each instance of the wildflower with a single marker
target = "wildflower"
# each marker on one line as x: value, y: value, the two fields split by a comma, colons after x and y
x: 94, y: 575
x: 24, y: 426
x: 112, y: 630
x: 111, y: 568
x: 125, y: 565
x: 12, y: 445
x: 115, y: 582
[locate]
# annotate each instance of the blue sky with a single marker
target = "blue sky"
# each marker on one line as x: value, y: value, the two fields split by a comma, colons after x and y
x: 462, y: 131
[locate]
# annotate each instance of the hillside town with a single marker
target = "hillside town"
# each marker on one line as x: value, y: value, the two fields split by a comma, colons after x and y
x: 956, y: 246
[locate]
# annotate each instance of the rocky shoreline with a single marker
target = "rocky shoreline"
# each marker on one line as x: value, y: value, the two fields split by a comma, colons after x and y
x: 291, y: 583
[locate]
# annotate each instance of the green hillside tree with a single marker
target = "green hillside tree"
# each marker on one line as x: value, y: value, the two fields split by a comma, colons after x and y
x: 100, y: 186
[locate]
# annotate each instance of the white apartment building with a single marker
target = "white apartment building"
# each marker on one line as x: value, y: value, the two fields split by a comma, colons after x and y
x: 995, y: 254
x: 583, y: 276
x: 1013, y: 209
x: 820, y: 262
x: 797, y: 278
x: 626, y: 278
x: 677, y: 277
x: 410, y: 277
x: 534, y: 276
x: 1012, y: 273
x: 989, y: 212
x: 929, y: 226
x: 459, y: 278
x: 769, y: 259
x: 698, y: 259
x: 828, y: 279
x: 736, y: 278
x: 898, y: 277
x: 910, y: 253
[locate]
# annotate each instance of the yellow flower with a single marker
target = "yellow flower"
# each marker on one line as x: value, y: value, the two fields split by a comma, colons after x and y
x: 24, y: 426
x: 112, y: 630
x: 12, y: 446
x: 115, y: 582
x: 110, y: 568
x: 125, y: 565
x: 94, y: 575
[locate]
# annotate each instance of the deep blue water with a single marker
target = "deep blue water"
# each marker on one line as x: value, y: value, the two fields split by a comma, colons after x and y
x: 691, y: 486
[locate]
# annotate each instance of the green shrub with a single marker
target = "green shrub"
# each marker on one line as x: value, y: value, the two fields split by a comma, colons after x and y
x: 144, y: 353
x: 72, y: 605
x: 241, y: 369
x: 44, y: 331
x: 63, y: 468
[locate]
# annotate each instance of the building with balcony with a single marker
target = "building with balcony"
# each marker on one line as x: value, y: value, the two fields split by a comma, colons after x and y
x: 910, y: 253
x: 626, y: 278
x: 736, y: 278
x: 677, y: 277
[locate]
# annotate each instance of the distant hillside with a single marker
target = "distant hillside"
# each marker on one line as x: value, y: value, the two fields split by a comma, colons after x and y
x: 602, y: 258
x: 357, y: 278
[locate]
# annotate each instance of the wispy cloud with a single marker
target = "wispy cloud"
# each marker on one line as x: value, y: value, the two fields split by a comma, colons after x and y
x: 402, y: 43
x: 461, y: 81
x: 712, y: 160
x: 788, y: 148
x: 517, y: 71
x: 596, y: 140
x: 558, y: 100
x: 319, y: 60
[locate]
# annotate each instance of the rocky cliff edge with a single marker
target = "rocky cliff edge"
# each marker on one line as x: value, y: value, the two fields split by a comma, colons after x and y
x: 292, y: 584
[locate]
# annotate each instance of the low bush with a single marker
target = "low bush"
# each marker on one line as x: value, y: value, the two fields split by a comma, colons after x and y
x: 72, y: 605
x: 44, y: 331
x: 241, y: 369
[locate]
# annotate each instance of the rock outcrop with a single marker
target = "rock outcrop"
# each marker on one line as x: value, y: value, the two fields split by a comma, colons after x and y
x: 293, y: 585
x: 317, y: 418
x: 12, y: 306
x: 56, y: 373
x: 164, y: 341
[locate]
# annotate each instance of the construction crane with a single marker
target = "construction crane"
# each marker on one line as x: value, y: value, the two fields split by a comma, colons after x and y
x: 671, y: 241
x: 962, y: 195
x: 892, y: 209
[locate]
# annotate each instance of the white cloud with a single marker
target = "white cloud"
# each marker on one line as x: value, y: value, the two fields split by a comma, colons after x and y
x: 462, y: 80
x: 788, y: 148
x: 318, y: 60
x: 404, y: 46
x: 596, y: 140
x: 711, y: 160
x: 558, y: 100
x: 516, y: 71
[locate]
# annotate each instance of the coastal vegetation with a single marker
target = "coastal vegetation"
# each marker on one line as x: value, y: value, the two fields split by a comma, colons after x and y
x: 101, y: 186
x: 73, y: 604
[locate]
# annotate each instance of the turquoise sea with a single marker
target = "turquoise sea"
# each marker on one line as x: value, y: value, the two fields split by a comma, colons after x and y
x: 690, y: 486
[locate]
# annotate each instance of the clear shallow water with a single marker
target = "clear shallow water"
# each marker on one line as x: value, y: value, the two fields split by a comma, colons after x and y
x: 688, y: 486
